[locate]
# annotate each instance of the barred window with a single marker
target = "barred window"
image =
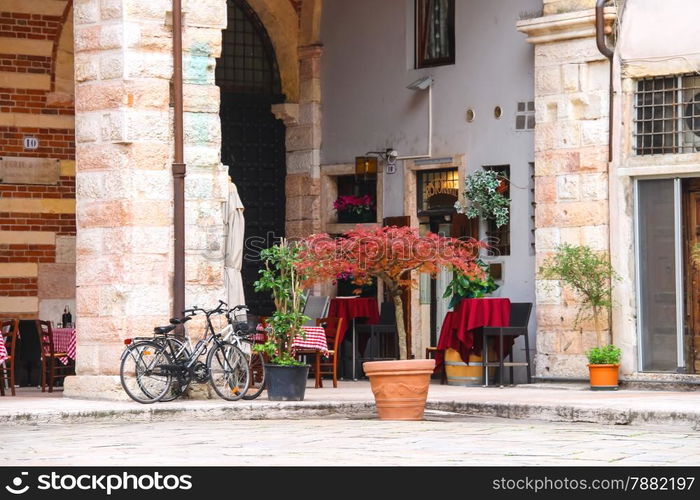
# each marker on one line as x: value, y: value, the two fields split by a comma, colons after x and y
x: 667, y: 115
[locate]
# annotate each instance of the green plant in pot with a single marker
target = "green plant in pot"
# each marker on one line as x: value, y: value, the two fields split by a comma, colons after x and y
x: 591, y: 276
x: 469, y: 287
x: 285, y: 376
x: 484, y: 191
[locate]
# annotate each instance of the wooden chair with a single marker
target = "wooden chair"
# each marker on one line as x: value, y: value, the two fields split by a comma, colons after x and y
x: 51, y: 366
x: 431, y: 353
x: 9, y: 329
x: 332, y: 327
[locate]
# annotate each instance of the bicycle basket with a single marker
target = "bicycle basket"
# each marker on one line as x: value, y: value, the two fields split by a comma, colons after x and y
x: 247, y: 324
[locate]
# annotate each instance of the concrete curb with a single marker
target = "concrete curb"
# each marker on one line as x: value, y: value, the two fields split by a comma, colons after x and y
x: 263, y: 410
x: 572, y: 413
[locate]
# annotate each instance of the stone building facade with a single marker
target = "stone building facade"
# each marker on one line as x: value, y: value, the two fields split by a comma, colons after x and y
x: 86, y: 221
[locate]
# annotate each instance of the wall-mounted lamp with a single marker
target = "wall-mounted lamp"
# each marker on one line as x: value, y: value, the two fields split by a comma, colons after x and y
x: 368, y: 165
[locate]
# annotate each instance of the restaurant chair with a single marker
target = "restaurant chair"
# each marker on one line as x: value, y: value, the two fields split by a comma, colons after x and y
x: 431, y: 353
x: 383, y: 336
x: 316, y: 306
x: 519, y: 319
x: 10, y: 330
x: 326, y: 365
x: 51, y: 365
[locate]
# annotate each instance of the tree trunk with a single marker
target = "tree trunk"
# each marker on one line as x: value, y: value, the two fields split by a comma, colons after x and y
x: 400, y: 326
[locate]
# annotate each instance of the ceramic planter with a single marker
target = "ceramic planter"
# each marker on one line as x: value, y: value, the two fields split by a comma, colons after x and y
x: 286, y: 383
x: 604, y: 377
x: 400, y: 387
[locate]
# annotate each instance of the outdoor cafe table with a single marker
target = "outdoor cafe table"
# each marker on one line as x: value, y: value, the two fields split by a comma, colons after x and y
x: 458, y: 328
x: 64, y: 341
x: 3, y: 351
x: 349, y: 308
x: 314, y: 339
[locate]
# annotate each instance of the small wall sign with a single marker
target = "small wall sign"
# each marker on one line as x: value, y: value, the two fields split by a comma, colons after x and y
x: 31, y: 143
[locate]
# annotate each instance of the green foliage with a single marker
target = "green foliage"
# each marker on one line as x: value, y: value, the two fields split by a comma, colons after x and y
x: 481, y: 189
x: 588, y: 273
x: 270, y: 350
x: 470, y: 287
x: 282, y: 278
x: 606, y: 355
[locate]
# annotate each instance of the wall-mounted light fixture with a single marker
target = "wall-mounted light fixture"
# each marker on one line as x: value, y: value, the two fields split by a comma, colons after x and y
x: 368, y: 165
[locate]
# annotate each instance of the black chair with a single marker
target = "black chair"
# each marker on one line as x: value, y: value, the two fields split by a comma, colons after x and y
x: 519, y: 319
x: 383, y: 337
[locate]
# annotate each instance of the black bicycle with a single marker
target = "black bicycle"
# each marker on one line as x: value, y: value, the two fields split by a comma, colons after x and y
x: 161, y: 368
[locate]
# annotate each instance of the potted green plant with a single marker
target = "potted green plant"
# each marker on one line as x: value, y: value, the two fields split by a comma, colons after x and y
x: 605, y: 361
x: 591, y: 276
x: 389, y: 254
x: 484, y: 190
x: 355, y: 209
x: 285, y: 376
x: 470, y: 286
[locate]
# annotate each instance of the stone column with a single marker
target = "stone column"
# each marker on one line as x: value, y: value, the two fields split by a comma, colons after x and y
x: 571, y: 168
x: 303, y: 142
x: 123, y: 68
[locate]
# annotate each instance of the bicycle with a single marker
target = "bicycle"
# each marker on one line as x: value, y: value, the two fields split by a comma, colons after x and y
x: 161, y: 368
x: 241, y: 334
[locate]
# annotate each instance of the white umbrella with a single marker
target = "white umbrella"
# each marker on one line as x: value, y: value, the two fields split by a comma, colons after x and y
x: 233, y: 261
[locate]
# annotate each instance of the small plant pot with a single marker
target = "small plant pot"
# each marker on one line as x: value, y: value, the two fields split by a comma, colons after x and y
x: 286, y: 383
x: 400, y: 387
x: 604, y: 377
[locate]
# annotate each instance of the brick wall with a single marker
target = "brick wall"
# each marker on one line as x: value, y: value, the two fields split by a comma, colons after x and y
x: 33, y: 99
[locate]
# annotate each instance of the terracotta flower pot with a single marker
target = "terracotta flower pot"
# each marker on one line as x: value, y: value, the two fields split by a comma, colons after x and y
x: 400, y: 387
x: 604, y: 377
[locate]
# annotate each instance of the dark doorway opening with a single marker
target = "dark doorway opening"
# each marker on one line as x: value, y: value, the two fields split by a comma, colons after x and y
x: 252, y: 139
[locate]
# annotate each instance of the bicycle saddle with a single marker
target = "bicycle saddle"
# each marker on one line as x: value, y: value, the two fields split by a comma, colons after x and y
x: 162, y: 330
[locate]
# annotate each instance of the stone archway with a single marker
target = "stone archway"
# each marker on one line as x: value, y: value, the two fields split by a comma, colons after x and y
x: 282, y: 25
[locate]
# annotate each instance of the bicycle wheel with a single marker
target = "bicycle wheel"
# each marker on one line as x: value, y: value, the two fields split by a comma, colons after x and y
x: 228, y: 371
x: 180, y: 382
x: 256, y: 364
x: 141, y: 371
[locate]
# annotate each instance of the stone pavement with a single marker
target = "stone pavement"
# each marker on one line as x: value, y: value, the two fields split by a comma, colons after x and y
x: 441, y: 440
x: 557, y: 403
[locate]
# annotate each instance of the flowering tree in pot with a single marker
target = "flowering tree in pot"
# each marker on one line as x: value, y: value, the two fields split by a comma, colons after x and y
x: 390, y: 254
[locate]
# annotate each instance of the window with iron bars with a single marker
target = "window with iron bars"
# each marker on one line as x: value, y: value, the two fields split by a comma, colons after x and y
x: 667, y: 115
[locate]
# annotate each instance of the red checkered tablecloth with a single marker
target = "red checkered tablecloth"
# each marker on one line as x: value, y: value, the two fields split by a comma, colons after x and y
x: 64, y: 341
x: 315, y: 338
x: 3, y: 351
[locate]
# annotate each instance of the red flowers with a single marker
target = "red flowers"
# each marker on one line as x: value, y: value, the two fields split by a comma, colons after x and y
x: 357, y: 204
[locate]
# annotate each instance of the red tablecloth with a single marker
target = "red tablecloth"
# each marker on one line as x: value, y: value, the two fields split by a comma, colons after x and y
x: 64, y: 341
x: 350, y: 308
x: 457, y: 330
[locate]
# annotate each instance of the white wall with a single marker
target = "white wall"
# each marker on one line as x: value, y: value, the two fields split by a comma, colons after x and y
x: 367, y: 63
x: 366, y: 66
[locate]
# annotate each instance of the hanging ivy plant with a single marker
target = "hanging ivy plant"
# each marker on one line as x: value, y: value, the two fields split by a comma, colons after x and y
x: 485, y: 200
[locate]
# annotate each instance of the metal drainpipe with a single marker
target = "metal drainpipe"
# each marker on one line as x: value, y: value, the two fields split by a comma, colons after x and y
x: 603, y: 48
x: 179, y: 169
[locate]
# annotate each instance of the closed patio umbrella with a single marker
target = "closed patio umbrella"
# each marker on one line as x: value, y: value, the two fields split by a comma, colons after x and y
x: 233, y: 261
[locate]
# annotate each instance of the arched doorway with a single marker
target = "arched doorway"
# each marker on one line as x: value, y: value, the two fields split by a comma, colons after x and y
x: 253, y: 140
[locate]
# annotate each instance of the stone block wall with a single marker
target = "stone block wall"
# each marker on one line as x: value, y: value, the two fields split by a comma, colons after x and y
x: 124, y: 124
x: 571, y: 171
x: 37, y: 217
